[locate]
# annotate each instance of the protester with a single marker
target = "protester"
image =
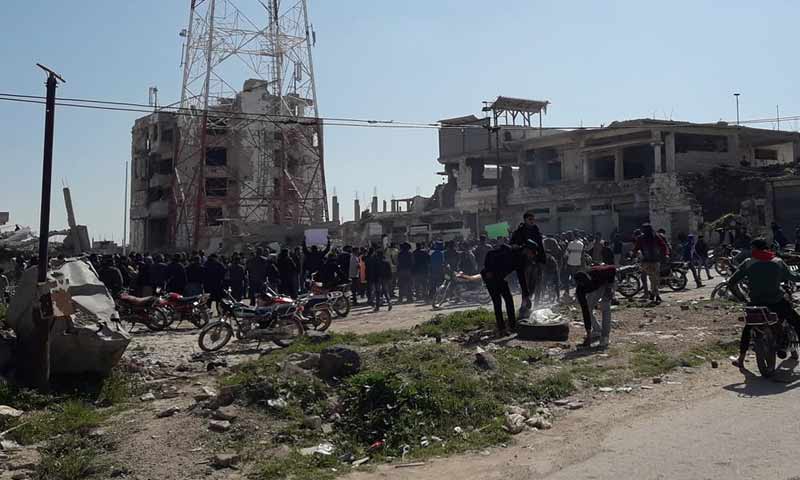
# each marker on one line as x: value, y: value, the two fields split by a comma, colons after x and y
x: 596, y: 286
x: 616, y: 248
x: 421, y: 271
x: 176, y: 275
x: 214, y: 278
x: 110, y: 275
x: 702, y: 254
x: 194, y: 277
x: 256, y: 267
x: 574, y: 258
x: 237, y: 278
x: 405, y: 267
x: 528, y: 230
x: 654, y: 251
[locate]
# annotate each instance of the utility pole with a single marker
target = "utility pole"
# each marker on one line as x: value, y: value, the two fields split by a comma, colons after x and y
x: 35, y: 364
x: 737, y: 108
x: 778, y: 115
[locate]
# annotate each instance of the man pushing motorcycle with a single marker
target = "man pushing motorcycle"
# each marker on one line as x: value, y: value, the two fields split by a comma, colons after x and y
x: 764, y: 273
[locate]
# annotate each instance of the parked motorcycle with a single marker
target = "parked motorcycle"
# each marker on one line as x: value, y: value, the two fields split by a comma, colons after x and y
x: 144, y: 310
x: 771, y: 338
x: 722, y: 259
x: 317, y: 312
x: 454, y: 289
x: 193, y: 309
x: 338, y: 297
x: 673, y: 276
x: 280, y: 322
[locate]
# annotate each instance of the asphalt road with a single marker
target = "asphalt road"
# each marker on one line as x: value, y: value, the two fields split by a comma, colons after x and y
x: 748, y: 429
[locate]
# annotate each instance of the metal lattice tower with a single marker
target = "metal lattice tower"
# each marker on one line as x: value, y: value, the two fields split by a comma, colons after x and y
x: 269, y: 127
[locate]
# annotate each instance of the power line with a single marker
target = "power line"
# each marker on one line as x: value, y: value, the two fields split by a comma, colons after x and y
x: 108, y: 105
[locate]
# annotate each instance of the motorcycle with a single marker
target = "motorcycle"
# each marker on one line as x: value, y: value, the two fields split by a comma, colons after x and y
x: 454, y: 289
x: 338, y: 297
x: 771, y: 338
x: 145, y: 310
x: 194, y: 309
x: 723, y: 260
x: 317, y: 312
x: 629, y: 281
x: 673, y: 276
x: 280, y: 322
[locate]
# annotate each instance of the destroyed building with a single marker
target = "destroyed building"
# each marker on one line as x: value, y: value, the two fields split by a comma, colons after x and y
x: 677, y: 175
x: 258, y: 172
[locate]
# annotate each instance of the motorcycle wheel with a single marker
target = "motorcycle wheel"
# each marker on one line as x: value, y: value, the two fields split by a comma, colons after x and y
x: 721, y: 292
x: 764, y: 346
x: 341, y: 306
x: 629, y: 285
x: 214, y: 336
x: 202, y: 318
x: 158, y: 319
x: 321, y: 320
x: 440, y: 297
x: 722, y: 266
x: 677, y: 281
x: 291, y: 328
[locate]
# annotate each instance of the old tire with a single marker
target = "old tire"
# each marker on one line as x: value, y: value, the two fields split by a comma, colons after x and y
x: 288, y: 330
x: 214, y: 336
x: 629, y: 285
x: 764, y: 346
x: 341, y: 306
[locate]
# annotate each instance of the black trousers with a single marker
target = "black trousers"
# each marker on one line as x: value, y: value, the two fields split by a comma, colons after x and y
x: 783, y: 310
x: 499, y: 291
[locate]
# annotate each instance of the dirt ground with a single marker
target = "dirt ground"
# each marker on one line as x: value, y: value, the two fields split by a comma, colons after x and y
x: 179, y: 446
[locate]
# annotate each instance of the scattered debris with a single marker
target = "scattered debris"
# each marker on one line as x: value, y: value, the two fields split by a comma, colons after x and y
x: 606, y: 389
x: 224, y: 460
x: 147, y: 397
x: 7, y: 412
x: 657, y: 380
x: 312, y: 422
x: 339, y: 361
x: 225, y: 413
x: 219, y: 426
x: 323, y: 449
x: 714, y: 364
x: 168, y: 412
x: 485, y: 360
x: 515, y: 423
x: 408, y: 465
x: 277, y: 403
x: 360, y: 461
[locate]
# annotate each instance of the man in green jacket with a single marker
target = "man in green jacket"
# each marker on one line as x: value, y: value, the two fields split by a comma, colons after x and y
x: 764, y: 274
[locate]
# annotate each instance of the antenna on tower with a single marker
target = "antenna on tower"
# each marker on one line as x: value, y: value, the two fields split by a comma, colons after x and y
x: 236, y: 66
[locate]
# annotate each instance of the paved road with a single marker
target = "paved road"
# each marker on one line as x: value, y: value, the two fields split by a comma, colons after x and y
x: 747, y: 430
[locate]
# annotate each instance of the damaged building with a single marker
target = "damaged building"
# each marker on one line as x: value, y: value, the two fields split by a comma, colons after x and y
x: 258, y: 179
x: 679, y: 176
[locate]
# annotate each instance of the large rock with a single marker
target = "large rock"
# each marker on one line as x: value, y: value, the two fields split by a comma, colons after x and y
x: 339, y: 361
x: 486, y: 361
x: 224, y: 460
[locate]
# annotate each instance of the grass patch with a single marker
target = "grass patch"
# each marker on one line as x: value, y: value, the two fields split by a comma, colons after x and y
x: 699, y: 355
x: 70, y: 457
x: 72, y: 416
x: 299, y: 467
x: 457, y: 322
x: 600, y: 375
x: 647, y: 361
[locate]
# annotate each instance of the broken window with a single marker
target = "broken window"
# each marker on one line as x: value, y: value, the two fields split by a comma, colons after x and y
x: 766, y: 154
x: 167, y: 135
x: 216, y: 156
x: 216, y: 187
x: 638, y: 162
x: 156, y: 194
x: 553, y: 171
x: 603, y: 168
x: 507, y: 136
x: 213, y: 216
x: 157, y: 235
x: 690, y: 142
x: 164, y: 166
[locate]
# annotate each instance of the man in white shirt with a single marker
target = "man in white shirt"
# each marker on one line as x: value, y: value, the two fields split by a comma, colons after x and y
x: 574, y: 258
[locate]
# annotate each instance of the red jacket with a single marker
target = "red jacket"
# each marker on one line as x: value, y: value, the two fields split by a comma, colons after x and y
x: 654, y: 249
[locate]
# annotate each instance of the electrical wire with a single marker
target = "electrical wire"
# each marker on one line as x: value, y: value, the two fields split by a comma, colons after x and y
x: 108, y: 105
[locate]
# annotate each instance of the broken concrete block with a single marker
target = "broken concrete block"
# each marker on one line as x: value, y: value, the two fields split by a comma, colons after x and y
x: 168, y: 412
x: 147, y: 397
x: 225, y: 460
x: 225, y: 413
x: 219, y: 426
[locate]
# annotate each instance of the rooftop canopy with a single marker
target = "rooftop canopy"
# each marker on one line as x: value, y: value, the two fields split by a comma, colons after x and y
x: 517, y: 105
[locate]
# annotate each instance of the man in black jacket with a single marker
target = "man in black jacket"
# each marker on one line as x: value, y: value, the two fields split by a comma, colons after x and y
x: 405, y: 267
x: 528, y: 230
x: 421, y: 270
x: 213, y: 278
x: 289, y: 271
x: 593, y: 287
x: 500, y: 262
x: 256, y: 268
x: 176, y: 275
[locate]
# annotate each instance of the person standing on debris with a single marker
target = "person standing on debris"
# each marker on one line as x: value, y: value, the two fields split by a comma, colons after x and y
x: 194, y: 277
x: 528, y: 230
x: 574, y: 259
x: 593, y: 287
x: 501, y: 262
x: 176, y: 275
x: 654, y: 251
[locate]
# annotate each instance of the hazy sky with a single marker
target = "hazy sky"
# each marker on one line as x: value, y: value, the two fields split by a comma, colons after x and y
x: 415, y: 60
